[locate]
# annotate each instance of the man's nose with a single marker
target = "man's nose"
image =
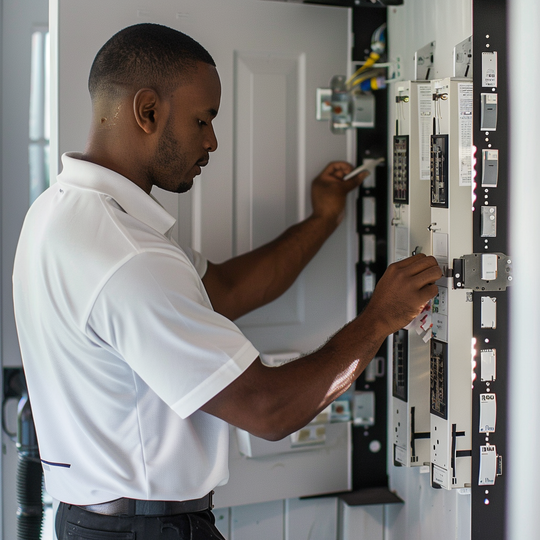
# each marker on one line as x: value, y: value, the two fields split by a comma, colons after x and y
x: 211, y: 143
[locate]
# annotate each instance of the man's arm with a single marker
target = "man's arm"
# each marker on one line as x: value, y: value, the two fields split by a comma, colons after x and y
x: 274, y: 402
x: 254, y: 279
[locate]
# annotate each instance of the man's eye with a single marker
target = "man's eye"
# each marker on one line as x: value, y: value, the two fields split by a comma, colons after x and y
x: 202, y: 123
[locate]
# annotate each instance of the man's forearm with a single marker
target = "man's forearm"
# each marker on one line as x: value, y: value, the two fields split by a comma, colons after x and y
x: 272, y: 402
x: 254, y: 279
x: 249, y: 281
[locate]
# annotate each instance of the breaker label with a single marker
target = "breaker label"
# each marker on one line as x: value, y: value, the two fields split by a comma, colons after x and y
x: 488, y: 413
x: 489, y: 69
x: 439, y: 476
x: 465, y: 142
x: 488, y: 465
x: 400, y: 455
x: 425, y: 124
x: 488, y: 365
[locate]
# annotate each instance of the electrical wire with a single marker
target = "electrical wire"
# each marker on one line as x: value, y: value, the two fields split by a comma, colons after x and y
x: 367, y: 75
x: 378, y: 46
x: 373, y: 57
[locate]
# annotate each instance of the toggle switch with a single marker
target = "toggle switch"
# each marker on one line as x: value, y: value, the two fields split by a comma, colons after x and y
x: 490, y: 168
x: 488, y: 112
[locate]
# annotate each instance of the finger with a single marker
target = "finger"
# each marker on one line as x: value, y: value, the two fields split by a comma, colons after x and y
x: 428, y: 276
x: 429, y: 291
x: 416, y: 263
x: 338, y: 169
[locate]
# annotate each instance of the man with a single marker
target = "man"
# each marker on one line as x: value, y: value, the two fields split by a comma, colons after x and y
x: 133, y: 365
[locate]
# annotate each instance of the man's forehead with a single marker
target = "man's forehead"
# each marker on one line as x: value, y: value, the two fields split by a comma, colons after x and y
x: 203, y: 87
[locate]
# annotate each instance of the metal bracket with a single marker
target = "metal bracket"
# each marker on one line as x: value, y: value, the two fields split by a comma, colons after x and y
x: 479, y: 273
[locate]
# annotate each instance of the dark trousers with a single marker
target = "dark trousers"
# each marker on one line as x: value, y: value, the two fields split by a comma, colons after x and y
x: 74, y: 523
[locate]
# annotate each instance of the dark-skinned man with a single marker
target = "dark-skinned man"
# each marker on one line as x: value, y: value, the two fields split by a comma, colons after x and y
x: 133, y: 365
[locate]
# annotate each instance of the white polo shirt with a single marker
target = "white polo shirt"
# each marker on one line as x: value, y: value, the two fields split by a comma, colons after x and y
x: 120, y: 344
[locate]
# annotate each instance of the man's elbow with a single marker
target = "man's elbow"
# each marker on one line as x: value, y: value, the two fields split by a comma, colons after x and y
x: 274, y: 427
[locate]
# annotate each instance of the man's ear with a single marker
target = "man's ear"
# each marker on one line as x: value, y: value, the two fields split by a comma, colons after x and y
x: 147, y: 109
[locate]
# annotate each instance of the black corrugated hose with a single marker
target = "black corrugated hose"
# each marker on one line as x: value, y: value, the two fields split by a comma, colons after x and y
x: 30, y: 513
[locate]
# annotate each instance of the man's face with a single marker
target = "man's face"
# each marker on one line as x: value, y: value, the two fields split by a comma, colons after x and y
x: 188, y: 136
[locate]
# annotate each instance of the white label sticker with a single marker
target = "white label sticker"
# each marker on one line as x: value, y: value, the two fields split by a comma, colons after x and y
x: 489, y: 69
x: 488, y: 312
x: 425, y: 129
x: 400, y: 454
x: 440, y: 302
x: 440, y: 247
x: 440, y: 327
x: 488, y: 365
x: 439, y: 476
x: 488, y: 465
x: 488, y: 413
x: 465, y: 101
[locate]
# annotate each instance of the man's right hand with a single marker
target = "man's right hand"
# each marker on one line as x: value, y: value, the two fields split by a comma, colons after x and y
x: 403, y: 291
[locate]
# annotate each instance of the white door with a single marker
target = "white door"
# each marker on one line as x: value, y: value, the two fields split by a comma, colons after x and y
x: 271, y: 57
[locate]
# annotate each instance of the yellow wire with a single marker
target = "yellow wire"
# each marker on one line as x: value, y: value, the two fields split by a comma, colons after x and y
x: 373, y: 57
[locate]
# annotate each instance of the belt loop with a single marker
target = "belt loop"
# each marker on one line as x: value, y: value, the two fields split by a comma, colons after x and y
x: 211, y: 500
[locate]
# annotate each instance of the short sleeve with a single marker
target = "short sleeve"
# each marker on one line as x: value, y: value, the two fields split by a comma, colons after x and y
x: 154, y: 314
x: 197, y: 260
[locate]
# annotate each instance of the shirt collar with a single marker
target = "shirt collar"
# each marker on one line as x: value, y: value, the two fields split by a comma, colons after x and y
x: 133, y: 200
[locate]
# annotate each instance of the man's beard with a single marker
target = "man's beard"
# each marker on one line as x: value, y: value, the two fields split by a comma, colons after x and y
x: 168, y: 158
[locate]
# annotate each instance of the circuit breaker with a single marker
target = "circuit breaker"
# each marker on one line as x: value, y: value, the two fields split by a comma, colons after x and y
x: 411, y: 218
x: 452, y: 317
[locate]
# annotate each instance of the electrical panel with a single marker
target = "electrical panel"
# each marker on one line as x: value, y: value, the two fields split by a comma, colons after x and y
x: 451, y: 232
x: 431, y: 184
x: 465, y: 328
x: 411, y: 218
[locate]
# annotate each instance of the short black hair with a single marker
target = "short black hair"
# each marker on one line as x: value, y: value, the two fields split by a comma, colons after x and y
x: 145, y: 55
